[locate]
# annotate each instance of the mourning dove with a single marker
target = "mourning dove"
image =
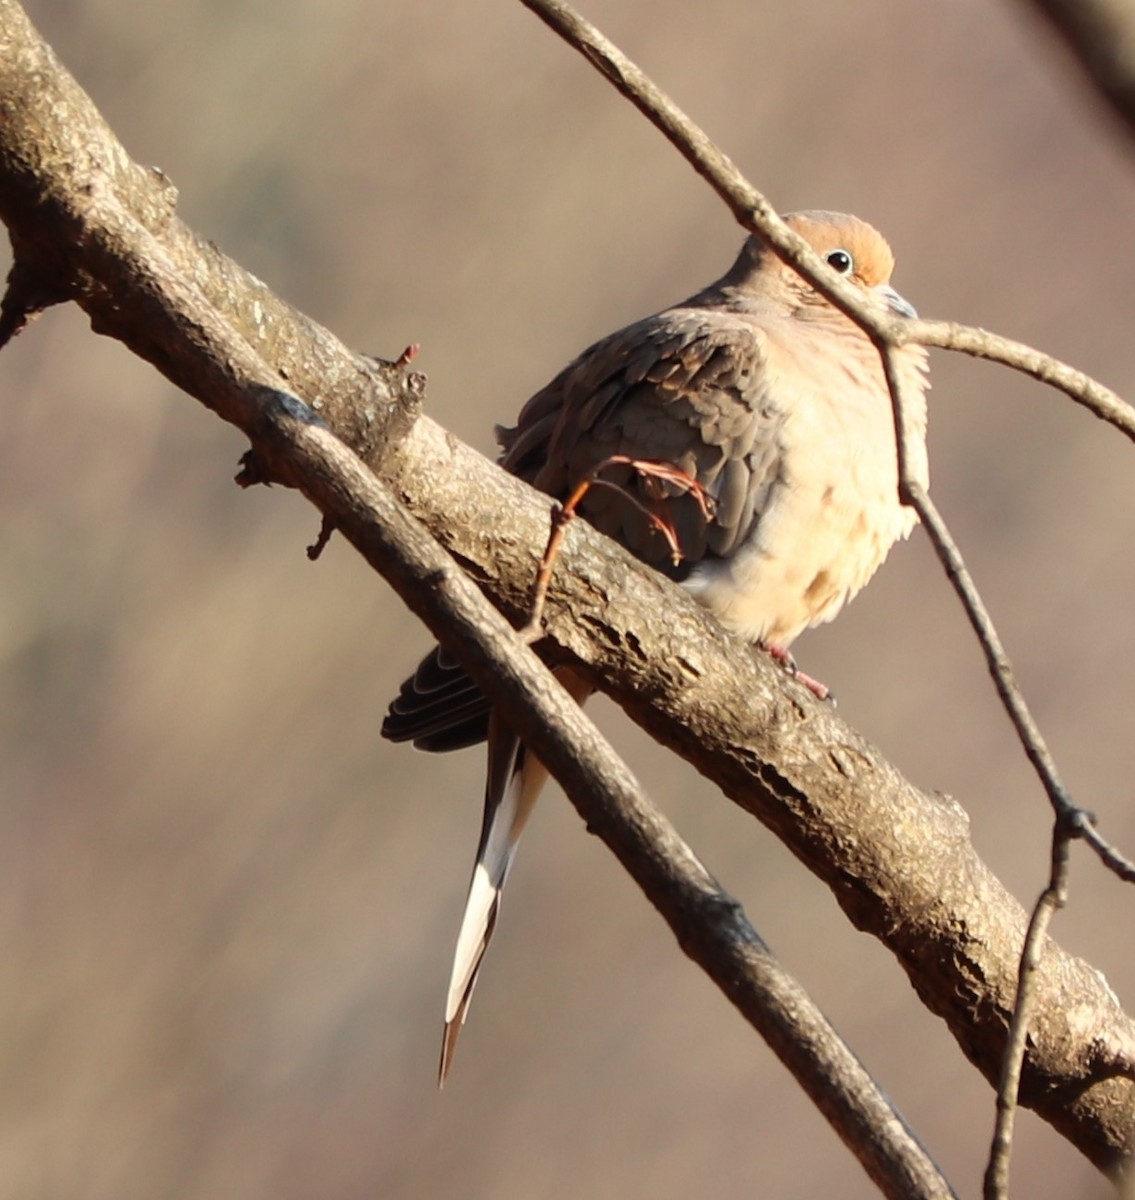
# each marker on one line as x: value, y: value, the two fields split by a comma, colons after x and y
x: 776, y: 404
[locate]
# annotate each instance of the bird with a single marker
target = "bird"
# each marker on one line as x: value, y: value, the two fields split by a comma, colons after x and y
x: 775, y: 403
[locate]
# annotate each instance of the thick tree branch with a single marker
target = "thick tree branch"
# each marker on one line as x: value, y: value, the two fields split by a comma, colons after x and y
x: 709, y: 924
x: 88, y: 223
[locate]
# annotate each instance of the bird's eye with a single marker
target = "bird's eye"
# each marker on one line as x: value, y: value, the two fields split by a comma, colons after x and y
x: 841, y: 261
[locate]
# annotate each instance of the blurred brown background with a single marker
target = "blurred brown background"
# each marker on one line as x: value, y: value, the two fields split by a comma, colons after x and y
x: 227, y: 909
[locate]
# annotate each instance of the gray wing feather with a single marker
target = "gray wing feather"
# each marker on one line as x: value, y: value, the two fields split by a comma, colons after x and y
x: 686, y: 387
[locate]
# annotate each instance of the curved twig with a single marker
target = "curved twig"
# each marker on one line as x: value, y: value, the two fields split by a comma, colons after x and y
x: 1054, y: 896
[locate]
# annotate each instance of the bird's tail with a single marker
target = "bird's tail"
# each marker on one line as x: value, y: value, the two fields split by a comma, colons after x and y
x: 514, y: 781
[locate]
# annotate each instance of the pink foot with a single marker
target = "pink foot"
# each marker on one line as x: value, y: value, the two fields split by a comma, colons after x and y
x: 780, y: 655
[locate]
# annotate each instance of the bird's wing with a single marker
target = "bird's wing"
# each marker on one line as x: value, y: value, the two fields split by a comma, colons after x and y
x: 439, y: 707
x: 691, y: 388
x: 686, y: 388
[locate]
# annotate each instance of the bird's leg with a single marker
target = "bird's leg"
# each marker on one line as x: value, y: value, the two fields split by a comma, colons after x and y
x: 562, y: 515
x: 565, y: 513
x: 779, y: 654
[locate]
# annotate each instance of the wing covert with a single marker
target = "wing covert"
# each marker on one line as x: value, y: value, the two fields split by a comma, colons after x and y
x: 688, y: 387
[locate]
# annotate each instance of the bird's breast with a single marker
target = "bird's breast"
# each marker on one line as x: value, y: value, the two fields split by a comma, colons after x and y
x: 833, y: 512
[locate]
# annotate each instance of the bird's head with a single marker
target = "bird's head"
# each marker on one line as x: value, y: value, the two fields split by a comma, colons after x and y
x: 851, y: 247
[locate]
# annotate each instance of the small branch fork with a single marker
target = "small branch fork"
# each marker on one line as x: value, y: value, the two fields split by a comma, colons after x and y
x: 755, y: 213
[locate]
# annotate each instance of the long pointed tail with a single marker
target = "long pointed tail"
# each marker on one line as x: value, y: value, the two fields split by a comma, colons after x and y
x: 512, y: 784
x: 514, y: 781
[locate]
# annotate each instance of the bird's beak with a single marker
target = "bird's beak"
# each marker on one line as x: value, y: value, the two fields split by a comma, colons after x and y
x: 894, y: 301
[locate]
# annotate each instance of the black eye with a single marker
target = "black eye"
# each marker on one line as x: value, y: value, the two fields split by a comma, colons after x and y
x: 841, y: 261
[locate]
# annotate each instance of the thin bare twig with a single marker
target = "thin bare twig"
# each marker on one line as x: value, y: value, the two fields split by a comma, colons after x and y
x: 1119, y: 864
x: 1000, y: 668
x: 1054, y: 896
x: 980, y: 343
x: 950, y: 556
